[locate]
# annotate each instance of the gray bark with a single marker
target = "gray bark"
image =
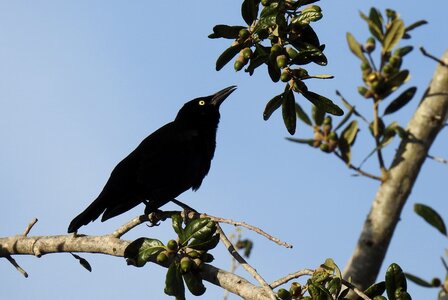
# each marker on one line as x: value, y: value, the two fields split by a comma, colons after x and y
x: 427, y: 121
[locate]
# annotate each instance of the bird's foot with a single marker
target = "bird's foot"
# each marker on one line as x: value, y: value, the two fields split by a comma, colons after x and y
x: 154, y: 218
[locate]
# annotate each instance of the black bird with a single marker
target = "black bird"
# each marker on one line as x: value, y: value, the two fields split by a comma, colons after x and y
x: 171, y: 160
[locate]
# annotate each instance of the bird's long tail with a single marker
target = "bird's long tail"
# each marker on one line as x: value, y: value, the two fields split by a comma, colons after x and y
x: 90, y: 214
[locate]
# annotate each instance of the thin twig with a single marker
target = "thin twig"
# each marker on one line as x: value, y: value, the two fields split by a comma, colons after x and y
x: 355, y: 289
x: 161, y: 215
x: 376, y: 134
x: 245, y: 225
x: 432, y: 57
x: 359, y: 170
x: 16, y: 265
x: 243, y: 262
x: 438, y: 159
x: 28, y: 228
x: 292, y: 276
x: 310, y: 272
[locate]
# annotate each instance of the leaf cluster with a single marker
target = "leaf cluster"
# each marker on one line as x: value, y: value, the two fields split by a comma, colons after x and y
x: 183, y: 256
x: 278, y: 34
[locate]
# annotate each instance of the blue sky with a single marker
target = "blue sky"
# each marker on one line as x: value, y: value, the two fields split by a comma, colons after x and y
x: 83, y: 82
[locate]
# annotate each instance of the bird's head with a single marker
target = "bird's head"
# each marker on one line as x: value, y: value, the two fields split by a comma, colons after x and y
x: 204, y: 111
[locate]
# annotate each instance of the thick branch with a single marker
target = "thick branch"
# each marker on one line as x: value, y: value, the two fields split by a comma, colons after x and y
x: 111, y: 245
x: 428, y: 120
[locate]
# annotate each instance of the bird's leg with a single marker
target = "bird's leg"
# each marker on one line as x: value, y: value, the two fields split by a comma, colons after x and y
x: 187, y: 209
x: 152, y: 213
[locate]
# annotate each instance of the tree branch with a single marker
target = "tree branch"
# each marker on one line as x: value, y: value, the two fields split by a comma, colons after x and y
x: 429, y: 118
x: 110, y: 245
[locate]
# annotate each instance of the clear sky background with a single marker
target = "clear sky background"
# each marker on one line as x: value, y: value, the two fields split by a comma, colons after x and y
x: 83, y: 82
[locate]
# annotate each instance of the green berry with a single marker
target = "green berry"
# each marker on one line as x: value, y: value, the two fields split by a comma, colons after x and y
x: 246, y: 53
x: 185, y: 264
x: 243, y: 34
x: 172, y: 245
x: 282, y: 61
x: 285, y: 76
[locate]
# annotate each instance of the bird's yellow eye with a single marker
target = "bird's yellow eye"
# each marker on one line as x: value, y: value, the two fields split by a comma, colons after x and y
x: 201, y: 102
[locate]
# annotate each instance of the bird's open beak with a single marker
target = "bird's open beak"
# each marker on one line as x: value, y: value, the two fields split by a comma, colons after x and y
x: 220, y: 96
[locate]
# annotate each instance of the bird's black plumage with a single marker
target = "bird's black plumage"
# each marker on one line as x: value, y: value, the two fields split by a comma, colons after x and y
x: 171, y: 160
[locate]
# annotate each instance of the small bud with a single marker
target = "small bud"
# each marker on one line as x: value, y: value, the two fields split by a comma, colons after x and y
x: 369, y: 46
x: 295, y: 289
x: 194, y: 254
x: 363, y: 91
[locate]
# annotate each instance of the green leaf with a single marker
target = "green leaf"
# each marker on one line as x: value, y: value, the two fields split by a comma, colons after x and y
x: 201, y: 229
x: 310, y: 14
x: 309, y: 53
x: 142, y: 250
x: 345, y: 119
x: 355, y: 47
x: 271, y: 10
x: 349, y: 133
x: 418, y: 280
x: 318, y: 115
x: 393, y: 83
x: 194, y: 283
x: 83, y: 262
x: 301, y: 114
x: 204, y: 244
x: 273, y: 69
x: 415, y: 25
x: 272, y: 106
x: 227, y: 55
x: 177, y: 225
x: 226, y: 31
x: 403, y: 51
x: 289, y: 110
x: 376, y: 289
x: 323, y: 103
x: 400, y: 101
x: 395, y: 281
x: 393, y: 35
x: 301, y: 141
x: 375, y: 22
x: 249, y: 10
x: 174, y: 285
x: 431, y: 217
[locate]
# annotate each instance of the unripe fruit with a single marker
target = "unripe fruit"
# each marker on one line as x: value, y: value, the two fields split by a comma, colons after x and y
x: 285, y: 76
x: 300, y: 73
x: 185, y: 264
x: 324, y: 147
x: 243, y: 34
x: 284, y: 294
x: 282, y: 61
x: 365, y: 66
x: 194, y: 254
x: 265, y: 2
x: 240, y: 62
x: 246, y: 53
x: 276, y: 49
x: 395, y: 61
x: 363, y: 91
x: 162, y: 257
x: 172, y: 245
x: 292, y: 53
x: 333, y: 136
x: 436, y: 282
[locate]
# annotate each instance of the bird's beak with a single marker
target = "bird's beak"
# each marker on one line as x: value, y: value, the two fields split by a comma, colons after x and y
x: 220, y: 96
